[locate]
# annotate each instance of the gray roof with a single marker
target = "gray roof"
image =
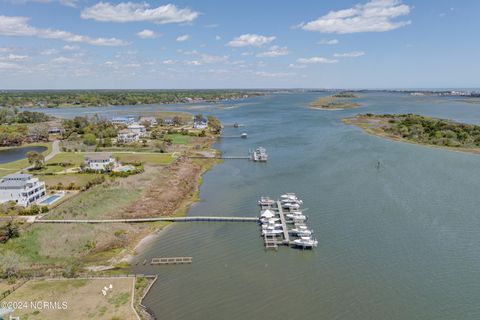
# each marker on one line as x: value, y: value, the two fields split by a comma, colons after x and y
x: 16, y: 180
x: 98, y: 156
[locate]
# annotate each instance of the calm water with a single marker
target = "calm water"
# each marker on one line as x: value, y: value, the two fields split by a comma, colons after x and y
x: 14, y: 154
x: 402, y: 242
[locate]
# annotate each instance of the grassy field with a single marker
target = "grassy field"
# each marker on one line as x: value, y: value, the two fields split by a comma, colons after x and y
x: 12, y: 167
x: 78, y: 179
x: 149, y: 158
x: 178, y: 138
x: 95, y: 203
x: 117, y: 304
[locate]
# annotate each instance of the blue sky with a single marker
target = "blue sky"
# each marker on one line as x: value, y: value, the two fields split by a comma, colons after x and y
x: 63, y: 44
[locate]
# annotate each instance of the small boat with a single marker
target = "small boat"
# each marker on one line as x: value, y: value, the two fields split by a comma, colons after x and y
x: 265, y: 220
x: 297, y: 217
x: 265, y: 201
x: 243, y: 136
x: 235, y: 125
x: 305, y: 242
x: 260, y: 155
x: 267, y: 214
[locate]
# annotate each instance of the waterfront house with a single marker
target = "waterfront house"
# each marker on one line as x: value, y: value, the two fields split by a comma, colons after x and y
x: 126, y: 120
x: 200, y: 123
x: 100, y: 162
x: 151, y: 121
x: 137, y: 129
x: 168, y: 122
x: 125, y: 136
x: 23, y: 189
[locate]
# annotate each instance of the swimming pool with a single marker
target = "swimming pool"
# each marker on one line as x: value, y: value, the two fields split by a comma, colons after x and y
x: 51, y: 199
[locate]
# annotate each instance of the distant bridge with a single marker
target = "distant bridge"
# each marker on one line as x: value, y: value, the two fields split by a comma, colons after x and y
x: 154, y: 219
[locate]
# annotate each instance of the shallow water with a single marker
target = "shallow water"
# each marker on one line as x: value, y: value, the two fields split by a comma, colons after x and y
x: 14, y: 154
x: 401, y: 242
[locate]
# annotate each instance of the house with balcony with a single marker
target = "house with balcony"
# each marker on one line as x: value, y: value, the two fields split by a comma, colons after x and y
x: 138, y: 129
x: 149, y: 121
x: 126, y: 120
x: 100, y: 162
x: 23, y: 189
x: 125, y: 136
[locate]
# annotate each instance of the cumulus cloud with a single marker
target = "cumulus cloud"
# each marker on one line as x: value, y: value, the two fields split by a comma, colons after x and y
x: 316, y: 60
x: 182, y: 38
x: 14, y: 57
x: 146, y: 34
x: 329, y: 42
x: 273, y: 52
x: 8, y: 65
x: 253, y: 40
x: 353, y: 54
x: 374, y: 16
x: 135, y: 12
x: 274, y: 74
x: 19, y: 27
x: 68, y: 47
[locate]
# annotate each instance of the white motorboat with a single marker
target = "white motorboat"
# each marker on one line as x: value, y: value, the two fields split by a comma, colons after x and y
x: 265, y: 220
x: 271, y: 231
x: 274, y: 225
x: 267, y: 214
x: 301, y: 231
x: 264, y: 201
x: 297, y: 217
x: 305, y: 242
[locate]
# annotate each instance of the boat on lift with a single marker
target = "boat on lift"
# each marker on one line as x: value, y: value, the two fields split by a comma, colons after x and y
x: 305, y: 242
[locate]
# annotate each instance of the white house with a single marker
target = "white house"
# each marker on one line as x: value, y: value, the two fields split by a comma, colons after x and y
x: 152, y: 121
x: 21, y: 188
x: 123, y: 120
x: 100, y: 161
x: 200, y: 123
x: 125, y: 136
x: 137, y: 129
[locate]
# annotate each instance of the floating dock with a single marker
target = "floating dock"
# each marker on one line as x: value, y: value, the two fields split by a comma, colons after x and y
x: 283, y: 223
x: 171, y: 260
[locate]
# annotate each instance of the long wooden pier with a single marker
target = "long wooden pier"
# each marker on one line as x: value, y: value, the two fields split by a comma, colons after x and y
x: 171, y: 260
x: 286, y: 235
x: 154, y: 219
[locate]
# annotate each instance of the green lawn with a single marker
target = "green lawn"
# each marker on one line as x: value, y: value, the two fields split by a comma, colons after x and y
x: 68, y: 157
x: 12, y: 167
x: 178, y: 138
x: 153, y: 158
x: 95, y: 203
x: 79, y: 179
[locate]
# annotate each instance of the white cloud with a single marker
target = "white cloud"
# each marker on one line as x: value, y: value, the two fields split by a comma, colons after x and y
x: 182, y: 38
x: 14, y: 57
x: 274, y: 74
x: 169, y: 62
x: 8, y: 65
x: 353, y: 54
x: 63, y: 60
x: 253, y: 40
x: 19, y: 27
x: 374, y: 16
x: 68, y: 47
x: 218, y: 38
x: 319, y: 60
x: 329, y: 42
x: 203, y: 58
x: 273, y: 52
x: 297, y: 66
x: 135, y: 12
x: 68, y: 3
x: 146, y: 34
x: 49, y: 52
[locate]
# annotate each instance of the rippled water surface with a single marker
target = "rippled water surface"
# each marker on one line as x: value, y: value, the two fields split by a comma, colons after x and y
x: 402, y: 242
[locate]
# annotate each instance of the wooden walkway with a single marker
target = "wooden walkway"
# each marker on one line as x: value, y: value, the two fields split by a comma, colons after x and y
x: 286, y: 235
x: 154, y: 219
x: 172, y: 260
